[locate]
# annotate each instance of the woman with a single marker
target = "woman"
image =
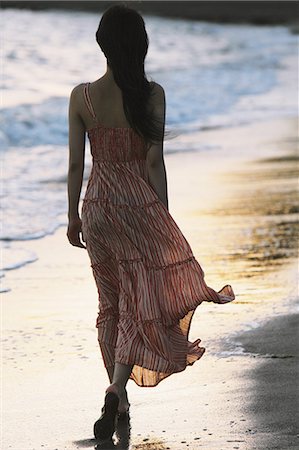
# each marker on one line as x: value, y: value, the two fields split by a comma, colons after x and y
x: 148, y: 281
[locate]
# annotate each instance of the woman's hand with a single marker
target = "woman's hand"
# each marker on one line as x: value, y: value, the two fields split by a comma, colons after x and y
x: 73, y: 232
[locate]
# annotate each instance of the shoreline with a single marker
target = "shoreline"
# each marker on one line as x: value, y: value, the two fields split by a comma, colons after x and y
x: 258, y: 13
x: 53, y: 373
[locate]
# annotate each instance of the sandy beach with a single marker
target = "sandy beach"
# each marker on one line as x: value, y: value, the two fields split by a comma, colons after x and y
x: 237, y: 205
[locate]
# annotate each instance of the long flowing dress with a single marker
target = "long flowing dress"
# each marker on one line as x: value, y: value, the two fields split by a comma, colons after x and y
x: 148, y: 280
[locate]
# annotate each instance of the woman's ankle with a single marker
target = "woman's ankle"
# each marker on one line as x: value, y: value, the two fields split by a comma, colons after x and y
x: 118, y: 390
x: 113, y: 388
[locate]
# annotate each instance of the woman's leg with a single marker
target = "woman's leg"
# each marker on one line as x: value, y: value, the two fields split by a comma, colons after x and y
x: 120, y: 377
x: 121, y: 374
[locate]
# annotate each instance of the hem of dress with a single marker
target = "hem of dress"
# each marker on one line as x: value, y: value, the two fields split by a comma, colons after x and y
x: 153, y: 370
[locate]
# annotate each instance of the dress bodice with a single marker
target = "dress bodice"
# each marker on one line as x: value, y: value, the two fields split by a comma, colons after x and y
x: 116, y: 144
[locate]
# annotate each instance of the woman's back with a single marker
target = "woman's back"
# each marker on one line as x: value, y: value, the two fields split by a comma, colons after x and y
x: 112, y: 140
x: 107, y: 103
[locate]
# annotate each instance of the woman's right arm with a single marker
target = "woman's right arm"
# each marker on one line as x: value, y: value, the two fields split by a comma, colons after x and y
x: 154, y: 159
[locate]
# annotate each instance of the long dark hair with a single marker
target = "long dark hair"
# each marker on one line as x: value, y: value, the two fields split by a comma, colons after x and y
x: 123, y: 39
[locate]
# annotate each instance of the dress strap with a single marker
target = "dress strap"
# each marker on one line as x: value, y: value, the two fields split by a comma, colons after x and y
x: 88, y: 101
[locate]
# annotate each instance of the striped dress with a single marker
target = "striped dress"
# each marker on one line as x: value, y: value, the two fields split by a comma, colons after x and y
x: 148, y: 280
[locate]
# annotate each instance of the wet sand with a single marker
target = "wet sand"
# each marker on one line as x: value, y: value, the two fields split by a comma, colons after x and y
x: 274, y: 400
x: 237, y: 206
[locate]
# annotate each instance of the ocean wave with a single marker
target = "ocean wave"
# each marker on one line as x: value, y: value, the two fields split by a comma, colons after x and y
x: 43, y: 123
x: 14, y: 258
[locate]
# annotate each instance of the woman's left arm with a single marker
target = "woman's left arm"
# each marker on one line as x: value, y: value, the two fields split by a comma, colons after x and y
x: 76, y: 167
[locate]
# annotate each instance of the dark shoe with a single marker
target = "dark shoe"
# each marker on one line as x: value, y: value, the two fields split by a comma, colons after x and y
x: 123, y: 415
x: 120, y: 415
x: 123, y: 432
x: 104, y: 427
x: 105, y: 445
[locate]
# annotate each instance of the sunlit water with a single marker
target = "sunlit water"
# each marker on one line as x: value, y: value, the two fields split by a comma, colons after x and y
x: 214, y: 76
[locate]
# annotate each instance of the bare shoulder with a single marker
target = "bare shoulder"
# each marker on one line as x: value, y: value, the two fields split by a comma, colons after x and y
x: 77, y: 91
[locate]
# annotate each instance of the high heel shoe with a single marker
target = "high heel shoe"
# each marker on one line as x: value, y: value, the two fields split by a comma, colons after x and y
x: 104, y: 427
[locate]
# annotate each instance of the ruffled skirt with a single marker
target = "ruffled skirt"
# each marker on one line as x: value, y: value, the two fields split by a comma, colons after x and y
x: 149, y: 285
